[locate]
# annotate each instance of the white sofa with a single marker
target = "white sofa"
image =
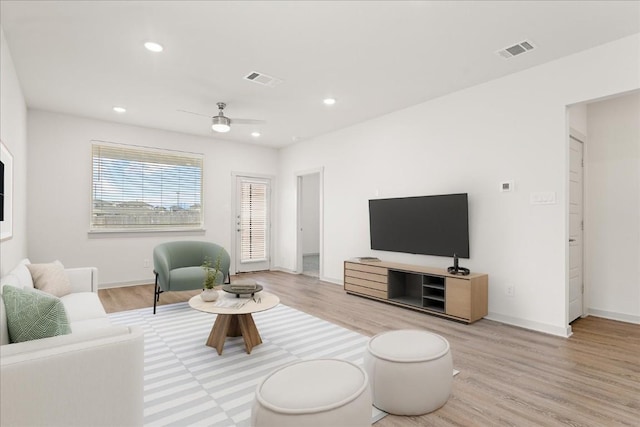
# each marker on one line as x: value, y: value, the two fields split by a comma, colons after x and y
x: 92, y: 376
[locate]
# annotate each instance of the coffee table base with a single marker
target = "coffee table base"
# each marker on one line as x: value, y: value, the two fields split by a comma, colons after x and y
x: 234, y: 325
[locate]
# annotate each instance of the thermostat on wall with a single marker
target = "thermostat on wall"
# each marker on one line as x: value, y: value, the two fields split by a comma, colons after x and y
x: 506, y: 186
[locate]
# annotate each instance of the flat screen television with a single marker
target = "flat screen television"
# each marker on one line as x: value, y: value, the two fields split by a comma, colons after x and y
x: 427, y: 225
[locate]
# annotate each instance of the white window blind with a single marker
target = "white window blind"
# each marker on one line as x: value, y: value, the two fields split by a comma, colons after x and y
x: 139, y: 188
x: 253, y: 221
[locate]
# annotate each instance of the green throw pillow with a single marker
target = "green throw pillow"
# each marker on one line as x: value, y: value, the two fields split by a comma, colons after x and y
x: 33, y: 314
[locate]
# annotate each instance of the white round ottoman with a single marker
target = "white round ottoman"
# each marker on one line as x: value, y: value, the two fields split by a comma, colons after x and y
x: 321, y: 392
x: 410, y: 371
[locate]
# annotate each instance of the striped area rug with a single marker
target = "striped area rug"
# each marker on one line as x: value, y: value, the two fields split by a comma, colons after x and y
x: 188, y: 383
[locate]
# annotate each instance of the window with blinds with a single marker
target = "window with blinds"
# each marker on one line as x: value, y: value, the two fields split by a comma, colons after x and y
x: 253, y: 221
x: 139, y: 188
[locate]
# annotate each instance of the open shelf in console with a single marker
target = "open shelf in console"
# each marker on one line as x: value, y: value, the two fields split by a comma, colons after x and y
x: 433, y: 294
x: 405, y: 287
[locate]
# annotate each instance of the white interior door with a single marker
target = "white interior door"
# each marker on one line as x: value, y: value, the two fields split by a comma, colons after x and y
x: 252, y: 224
x: 575, y: 229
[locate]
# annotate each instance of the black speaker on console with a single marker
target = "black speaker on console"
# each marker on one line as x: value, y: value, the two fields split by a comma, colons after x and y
x: 456, y: 269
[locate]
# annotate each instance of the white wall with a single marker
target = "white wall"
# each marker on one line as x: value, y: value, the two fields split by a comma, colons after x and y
x: 513, y: 128
x: 60, y: 193
x: 612, y: 208
x: 13, y: 133
x: 311, y: 214
x: 578, y: 117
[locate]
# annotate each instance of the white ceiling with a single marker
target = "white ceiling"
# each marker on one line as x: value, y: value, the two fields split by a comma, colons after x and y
x: 374, y: 57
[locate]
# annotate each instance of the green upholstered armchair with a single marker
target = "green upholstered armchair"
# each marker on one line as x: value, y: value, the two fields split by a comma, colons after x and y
x: 178, y: 266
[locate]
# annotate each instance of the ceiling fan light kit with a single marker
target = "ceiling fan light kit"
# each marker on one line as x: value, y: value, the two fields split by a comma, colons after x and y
x: 220, y: 124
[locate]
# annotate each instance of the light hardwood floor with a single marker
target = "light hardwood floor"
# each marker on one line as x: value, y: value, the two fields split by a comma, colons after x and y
x: 508, y: 376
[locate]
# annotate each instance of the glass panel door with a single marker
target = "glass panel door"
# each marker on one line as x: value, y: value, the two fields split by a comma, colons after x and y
x: 252, y: 224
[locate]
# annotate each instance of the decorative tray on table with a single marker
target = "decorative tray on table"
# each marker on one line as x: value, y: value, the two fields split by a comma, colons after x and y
x: 238, y: 292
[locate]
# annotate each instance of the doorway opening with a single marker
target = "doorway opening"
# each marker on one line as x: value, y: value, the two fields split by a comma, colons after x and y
x: 309, y: 223
x: 603, y: 208
x: 576, y: 224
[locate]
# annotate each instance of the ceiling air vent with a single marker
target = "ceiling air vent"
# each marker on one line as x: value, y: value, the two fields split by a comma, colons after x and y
x: 263, y: 79
x: 516, y: 49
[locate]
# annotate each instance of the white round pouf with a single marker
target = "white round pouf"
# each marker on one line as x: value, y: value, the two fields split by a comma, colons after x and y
x: 410, y: 371
x: 321, y: 392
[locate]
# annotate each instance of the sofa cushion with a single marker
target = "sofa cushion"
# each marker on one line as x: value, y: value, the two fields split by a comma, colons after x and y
x: 20, y: 277
x: 88, y: 325
x: 33, y: 314
x: 83, y: 306
x: 50, y: 278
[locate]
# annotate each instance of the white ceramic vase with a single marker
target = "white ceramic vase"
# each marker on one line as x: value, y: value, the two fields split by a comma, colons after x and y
x: 209, y: 295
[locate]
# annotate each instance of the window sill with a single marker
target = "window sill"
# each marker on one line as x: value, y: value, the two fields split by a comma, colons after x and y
x: 144, y: 231
x: 253, y: 261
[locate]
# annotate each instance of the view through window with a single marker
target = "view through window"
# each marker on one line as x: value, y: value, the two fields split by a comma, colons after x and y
x: 140, y: 188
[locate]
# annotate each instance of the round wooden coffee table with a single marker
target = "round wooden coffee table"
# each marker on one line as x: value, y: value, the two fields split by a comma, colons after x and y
x: 232, y: 321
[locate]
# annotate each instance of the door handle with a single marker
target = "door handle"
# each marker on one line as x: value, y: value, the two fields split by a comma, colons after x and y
x: 572, y: 240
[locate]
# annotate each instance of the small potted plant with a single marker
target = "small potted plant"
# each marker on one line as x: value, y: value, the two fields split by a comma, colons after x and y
x: 210, y: 279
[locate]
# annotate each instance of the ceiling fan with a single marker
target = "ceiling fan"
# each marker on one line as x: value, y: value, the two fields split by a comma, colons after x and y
x: 222, y: 123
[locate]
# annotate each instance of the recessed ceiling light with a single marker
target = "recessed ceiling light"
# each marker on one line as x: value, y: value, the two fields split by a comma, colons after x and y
x: 120, y: 110
x: 255, y: 134
x: 329, y: 101
x: 153, y: 47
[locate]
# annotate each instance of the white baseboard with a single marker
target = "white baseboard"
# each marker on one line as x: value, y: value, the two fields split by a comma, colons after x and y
x: 332, y: 280
x: 125, y: 284
x: 621, y: 317
x: 323, y: 278
x: 284, y: 270
x: 529, y: 324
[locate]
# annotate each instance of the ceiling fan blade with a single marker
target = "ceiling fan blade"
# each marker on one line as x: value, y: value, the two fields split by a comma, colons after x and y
x: 197, y: 114
x: 247, y: 121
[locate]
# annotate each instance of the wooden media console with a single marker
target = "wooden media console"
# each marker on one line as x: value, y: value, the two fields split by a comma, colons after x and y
x: 432, y: 290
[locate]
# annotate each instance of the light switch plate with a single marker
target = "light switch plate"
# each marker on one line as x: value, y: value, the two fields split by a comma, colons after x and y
x: 543, y: 198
